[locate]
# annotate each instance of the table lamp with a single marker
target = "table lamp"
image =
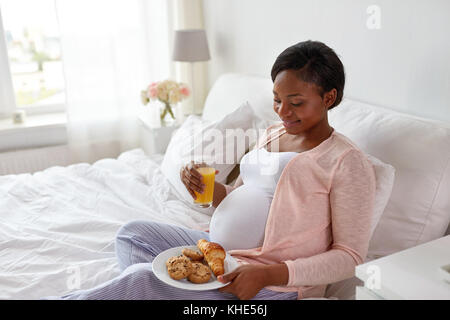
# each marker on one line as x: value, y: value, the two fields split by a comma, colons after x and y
x: 191, y: 45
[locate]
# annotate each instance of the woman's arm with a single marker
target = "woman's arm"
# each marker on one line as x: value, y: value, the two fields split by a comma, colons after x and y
x: 352, y: 198
x: 247, y: 280
x: 221, y: 190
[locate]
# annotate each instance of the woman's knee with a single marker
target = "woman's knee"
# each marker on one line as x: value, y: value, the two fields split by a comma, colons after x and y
x: 138, y: 229
x: 139, y: 270
x: 123, y: 236
x: 124, y: 242
x: 129, y: 230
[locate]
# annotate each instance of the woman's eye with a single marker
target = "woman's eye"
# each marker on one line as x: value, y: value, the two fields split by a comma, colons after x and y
x: 293, y: 104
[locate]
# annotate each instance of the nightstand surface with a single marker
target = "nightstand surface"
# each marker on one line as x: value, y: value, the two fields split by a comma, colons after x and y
x: 155, y: 139
x: 412, y: 273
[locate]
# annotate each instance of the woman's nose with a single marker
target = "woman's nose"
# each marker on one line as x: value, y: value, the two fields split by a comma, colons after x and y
x: 284, y: 110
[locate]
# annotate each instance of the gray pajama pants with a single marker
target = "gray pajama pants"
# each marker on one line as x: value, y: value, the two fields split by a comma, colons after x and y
x: 137, y: 244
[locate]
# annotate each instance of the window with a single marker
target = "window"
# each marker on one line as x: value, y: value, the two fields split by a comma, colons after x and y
x: 31, y: 71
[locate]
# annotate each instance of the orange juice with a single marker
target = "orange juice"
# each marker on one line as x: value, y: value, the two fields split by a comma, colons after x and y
x: 206, y: 198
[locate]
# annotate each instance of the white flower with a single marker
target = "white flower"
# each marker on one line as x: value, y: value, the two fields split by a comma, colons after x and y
x: 166, y: 91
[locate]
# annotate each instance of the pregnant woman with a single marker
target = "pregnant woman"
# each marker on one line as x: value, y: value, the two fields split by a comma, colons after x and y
x: 297, y: 218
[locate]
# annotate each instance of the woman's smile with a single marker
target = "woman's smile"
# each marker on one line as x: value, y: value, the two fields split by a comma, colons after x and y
x: 291, y: 123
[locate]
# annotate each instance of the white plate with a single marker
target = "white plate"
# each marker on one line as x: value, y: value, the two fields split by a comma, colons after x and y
x: 160, y: 270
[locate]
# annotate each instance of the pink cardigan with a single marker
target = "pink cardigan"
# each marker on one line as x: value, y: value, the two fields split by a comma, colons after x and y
x: 319, y: 220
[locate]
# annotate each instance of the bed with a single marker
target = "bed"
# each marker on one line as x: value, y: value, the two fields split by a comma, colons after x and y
x: 58, y: 226
x: 61, y: 222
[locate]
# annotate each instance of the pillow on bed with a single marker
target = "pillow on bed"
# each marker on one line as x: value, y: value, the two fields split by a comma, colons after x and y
x: 214, y: 142
x: 418, y: 209
x: 384, y: 174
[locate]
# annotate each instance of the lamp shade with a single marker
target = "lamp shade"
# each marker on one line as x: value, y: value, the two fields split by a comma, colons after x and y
x: 190, y: 45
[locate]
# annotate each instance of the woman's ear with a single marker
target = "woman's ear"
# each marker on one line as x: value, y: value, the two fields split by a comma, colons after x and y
x: 329, y: 98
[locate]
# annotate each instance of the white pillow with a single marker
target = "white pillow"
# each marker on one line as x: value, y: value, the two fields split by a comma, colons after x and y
x: 231, y: 89
x: 196, y: 138
x: 384, y: 174
x: 418, y: 209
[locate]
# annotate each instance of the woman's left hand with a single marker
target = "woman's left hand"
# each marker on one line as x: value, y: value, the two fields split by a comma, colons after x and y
x: 246, y: 281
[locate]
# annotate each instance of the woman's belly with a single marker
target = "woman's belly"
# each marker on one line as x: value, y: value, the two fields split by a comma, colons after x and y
x: 240, y: 219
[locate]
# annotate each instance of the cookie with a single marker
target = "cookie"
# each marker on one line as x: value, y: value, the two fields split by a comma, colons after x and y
x: 200, y: 273
x: 192, y: 254
x: 171, y: 260
x: 179, y: 267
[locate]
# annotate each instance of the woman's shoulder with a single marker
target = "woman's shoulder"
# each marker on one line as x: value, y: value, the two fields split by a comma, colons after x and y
x: 345, y: 141
x: 347, y: 151
x: 341, y: 150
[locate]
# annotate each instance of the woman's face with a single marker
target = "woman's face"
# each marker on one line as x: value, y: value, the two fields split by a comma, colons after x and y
x: 299, y: 104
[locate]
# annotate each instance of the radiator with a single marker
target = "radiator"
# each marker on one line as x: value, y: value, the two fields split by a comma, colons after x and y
x: 32, y: 160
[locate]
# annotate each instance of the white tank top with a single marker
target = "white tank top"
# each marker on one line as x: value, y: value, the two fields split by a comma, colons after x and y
x: 240, y: 219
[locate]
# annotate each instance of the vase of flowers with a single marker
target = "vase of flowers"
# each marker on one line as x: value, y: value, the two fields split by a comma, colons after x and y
x: 168, y: 92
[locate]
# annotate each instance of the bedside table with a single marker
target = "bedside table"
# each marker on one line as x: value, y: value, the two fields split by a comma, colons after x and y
x: 411, y: 274
x: 154, y: 139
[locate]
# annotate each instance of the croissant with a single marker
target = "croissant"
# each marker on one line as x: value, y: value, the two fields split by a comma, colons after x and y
x: 214, y: 254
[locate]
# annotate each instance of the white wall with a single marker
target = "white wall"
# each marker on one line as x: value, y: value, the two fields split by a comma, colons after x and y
x: 188, y: 14
x: 405, y: 65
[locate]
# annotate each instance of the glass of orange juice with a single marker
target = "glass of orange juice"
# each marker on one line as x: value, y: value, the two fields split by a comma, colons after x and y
x: 205, y: 199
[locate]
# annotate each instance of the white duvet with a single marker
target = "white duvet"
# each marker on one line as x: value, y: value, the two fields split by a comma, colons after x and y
x: 58, y: 226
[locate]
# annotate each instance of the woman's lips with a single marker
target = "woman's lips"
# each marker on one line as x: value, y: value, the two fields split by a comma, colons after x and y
x: 293, y: 123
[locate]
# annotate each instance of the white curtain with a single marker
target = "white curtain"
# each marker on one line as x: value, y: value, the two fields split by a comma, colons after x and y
x: 188, y: 14
x: 112, y: 49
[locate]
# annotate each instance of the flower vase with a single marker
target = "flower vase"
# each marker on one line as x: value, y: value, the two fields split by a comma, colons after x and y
x: 166, y: 115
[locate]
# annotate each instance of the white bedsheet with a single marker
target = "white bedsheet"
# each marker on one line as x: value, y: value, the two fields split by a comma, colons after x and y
x: 61, y: 222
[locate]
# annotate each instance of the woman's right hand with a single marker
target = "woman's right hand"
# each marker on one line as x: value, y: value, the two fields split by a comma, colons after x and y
x: 191, y: 178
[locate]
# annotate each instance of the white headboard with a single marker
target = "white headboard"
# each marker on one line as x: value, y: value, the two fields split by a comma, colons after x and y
x: 232, y: 89
x: 404, y: 65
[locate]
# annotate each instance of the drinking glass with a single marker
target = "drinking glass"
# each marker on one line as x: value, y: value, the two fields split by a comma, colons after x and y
x: 205, y: 199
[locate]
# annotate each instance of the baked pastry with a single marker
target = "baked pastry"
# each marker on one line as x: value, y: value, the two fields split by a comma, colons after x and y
x: 214, y: 255
x: 173, y: 259
x: 200, y: 273
x: 179, y: 267
x: 192, y: 254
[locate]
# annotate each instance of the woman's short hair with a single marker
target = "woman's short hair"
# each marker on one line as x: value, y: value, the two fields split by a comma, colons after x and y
x: 317, y: 63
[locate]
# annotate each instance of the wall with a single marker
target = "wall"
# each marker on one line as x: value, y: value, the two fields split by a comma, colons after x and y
x: 188, y: 14
x: 404, y: 65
